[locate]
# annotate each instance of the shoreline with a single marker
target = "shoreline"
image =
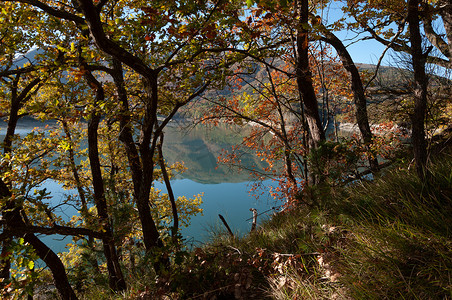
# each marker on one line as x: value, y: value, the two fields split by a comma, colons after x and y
x: 375, y: 128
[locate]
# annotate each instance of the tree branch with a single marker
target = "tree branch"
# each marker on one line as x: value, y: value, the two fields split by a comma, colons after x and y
x: 18, y: 71
x: 56, y: 229
x: 59, y: 13
x: 108, y: 46
x: 395, y: 46
x: 436, y: 39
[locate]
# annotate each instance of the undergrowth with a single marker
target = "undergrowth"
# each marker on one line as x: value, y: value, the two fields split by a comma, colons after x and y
x: 389, y: 238
x: 385, y: 239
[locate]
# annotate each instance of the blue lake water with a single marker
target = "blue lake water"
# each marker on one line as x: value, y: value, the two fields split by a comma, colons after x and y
x: 226, y: 191
x: 232, y: 200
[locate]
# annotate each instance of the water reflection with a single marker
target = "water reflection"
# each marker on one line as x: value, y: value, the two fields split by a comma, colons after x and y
x: 199, y: 147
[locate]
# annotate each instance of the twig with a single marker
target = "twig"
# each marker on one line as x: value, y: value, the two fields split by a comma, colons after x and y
x: 212, y: 291
x: 273, y: 208
x: 233, y: 248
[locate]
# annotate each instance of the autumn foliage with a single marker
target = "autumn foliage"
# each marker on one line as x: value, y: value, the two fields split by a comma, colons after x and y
x: 107, y: 77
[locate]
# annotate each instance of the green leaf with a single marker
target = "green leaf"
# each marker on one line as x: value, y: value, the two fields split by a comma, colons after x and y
x: 249, y: 3
x: 62, y: 49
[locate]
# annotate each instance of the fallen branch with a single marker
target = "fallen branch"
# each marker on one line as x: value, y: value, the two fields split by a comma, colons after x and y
x: 226, y: 225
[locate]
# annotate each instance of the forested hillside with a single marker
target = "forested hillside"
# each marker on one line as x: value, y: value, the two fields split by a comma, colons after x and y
x: 365, y: 214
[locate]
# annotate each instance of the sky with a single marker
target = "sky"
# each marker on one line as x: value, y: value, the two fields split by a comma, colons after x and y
x: 364, y: 51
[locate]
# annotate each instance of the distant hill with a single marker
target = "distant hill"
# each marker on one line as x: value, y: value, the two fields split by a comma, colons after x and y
x: 29, y: 57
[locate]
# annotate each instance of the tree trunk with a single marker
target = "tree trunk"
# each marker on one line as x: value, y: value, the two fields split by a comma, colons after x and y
x: 171, y: 197
x: 7, y: 148
x: 17, y: 102
x: 284, y: 138
x: 304, y: 76
x: 142, y: 169
x: 358, y: 94
x: 73, y: 167
x: 116, y: 278
x: 305, y: 84
x: 420, y: 90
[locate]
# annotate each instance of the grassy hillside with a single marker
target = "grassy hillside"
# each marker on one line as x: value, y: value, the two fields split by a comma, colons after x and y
x: 390, y: 238
x: 386, y: 239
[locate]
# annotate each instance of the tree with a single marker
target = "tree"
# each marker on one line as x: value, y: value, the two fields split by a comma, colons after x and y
x: 117, y: 281
x: 171, y: 64
x: 270, y: 107
x: 356, y: 86
x: 303, y: 72
x: 294, y: 18
x: 377, y: 17
x: 266, y: 101
x: 17, y: 100
x: 380, y: 18
x: 274, y: 29
x: 19, y: 84
x: 420, y: 89
x: 15, y: 219
x: 150, y: 131
x: 274, y: 25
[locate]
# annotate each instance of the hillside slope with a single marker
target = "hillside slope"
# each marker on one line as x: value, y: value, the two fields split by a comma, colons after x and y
x: 386, y: 239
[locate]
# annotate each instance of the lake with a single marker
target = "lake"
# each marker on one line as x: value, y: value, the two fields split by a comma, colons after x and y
x: 225, y: 190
